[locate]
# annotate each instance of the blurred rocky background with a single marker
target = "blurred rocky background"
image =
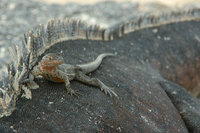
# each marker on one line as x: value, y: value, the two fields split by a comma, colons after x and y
x: 19, y: 16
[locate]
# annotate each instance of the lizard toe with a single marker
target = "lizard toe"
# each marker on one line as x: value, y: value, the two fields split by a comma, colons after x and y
x: 75, y: 93
x: 108, y: 91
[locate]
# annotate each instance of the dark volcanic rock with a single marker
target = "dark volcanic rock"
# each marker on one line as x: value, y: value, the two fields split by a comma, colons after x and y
x: 188, y: 106
x: 143, y: 105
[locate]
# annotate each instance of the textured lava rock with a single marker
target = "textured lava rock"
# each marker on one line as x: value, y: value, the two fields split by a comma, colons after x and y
x: 136, y: 74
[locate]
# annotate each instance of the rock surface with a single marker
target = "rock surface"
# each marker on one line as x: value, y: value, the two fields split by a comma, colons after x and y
x: 147, y: 102
x: 136, y: 74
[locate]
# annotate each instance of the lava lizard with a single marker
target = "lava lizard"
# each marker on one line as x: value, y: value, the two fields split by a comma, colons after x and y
x: 52, y: 68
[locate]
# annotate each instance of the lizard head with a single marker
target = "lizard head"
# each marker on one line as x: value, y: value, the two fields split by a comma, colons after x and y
x: 51, y: 61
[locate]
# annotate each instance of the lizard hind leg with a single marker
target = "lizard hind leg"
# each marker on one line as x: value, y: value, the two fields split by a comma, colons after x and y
x: 80, y: 76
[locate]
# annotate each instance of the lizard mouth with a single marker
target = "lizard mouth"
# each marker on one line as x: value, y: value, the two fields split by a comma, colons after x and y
x: 51, y: 64
x: 55, y: 62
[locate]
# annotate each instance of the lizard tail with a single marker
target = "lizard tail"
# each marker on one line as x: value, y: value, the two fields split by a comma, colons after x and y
x: 89, y: 67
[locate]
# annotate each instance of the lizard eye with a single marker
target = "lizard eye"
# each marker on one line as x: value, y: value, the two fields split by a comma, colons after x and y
x: 58, y: 54
x: 50, y: 58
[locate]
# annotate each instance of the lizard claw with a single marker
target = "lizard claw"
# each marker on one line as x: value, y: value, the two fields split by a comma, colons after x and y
x: 74, y: 92
x: 108, y: 91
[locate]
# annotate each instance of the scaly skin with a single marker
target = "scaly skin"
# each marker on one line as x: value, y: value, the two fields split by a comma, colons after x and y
x: 52, y: 68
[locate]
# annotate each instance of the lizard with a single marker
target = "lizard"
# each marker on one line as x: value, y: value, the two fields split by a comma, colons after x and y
x: 53, y: 68
x: 36, y: 42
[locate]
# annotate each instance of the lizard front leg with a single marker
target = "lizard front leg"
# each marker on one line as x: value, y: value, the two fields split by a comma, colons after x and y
x: 69, y: 89
x: 80, y: 76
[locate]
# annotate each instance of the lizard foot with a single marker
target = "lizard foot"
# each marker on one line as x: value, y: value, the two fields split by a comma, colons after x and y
x: 74, y: 92
x: 108, y: 90
x: 71, y: 91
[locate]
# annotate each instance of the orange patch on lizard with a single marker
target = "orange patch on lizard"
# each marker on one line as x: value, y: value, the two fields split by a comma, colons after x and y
x: 58, y: 79
x: 47, y: 68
